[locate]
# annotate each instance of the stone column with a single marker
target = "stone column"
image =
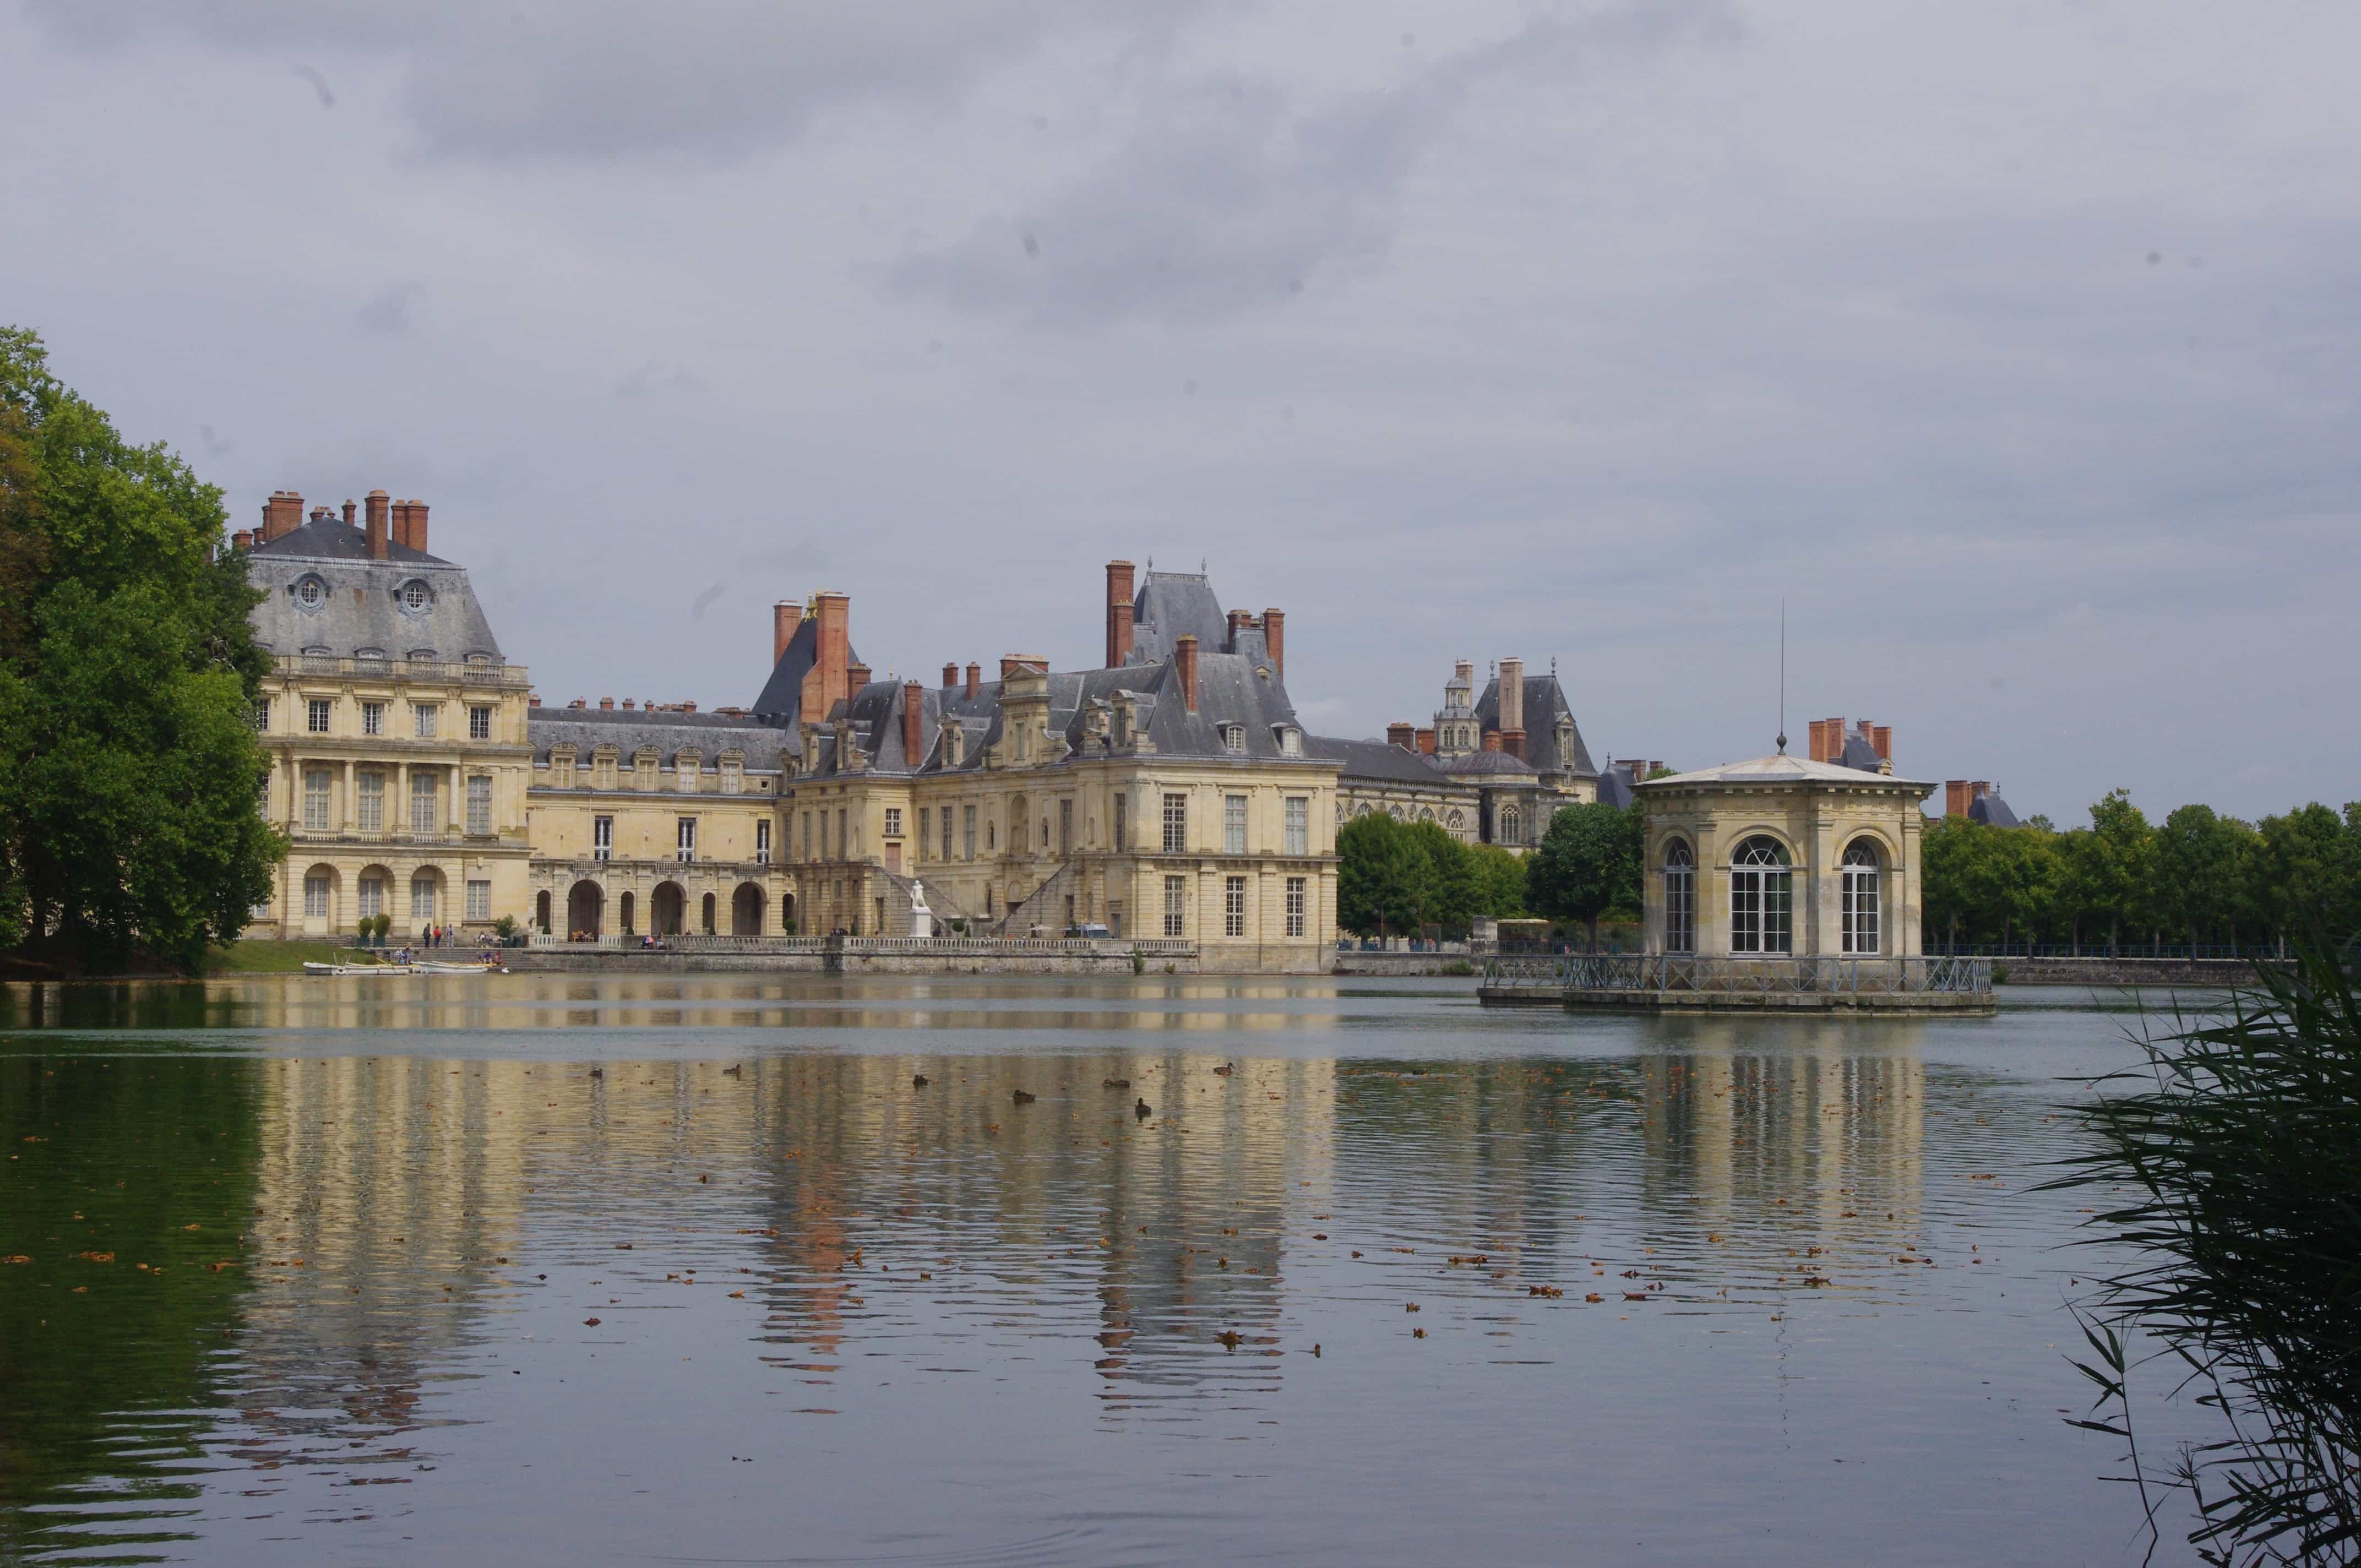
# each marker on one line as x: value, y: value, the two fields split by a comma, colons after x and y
x: 458, y: 809
x: 400, y: 806
x: 351, y: 814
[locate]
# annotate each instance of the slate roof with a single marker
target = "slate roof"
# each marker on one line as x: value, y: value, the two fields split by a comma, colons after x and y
x: 711, y: 734
x: 1992, y: 811
x: 1170, y: 605
x: 782, y: 697
x: 1544, y: 701
x: 1380, y: 761
x: 1780, y: 769
x: 361, y: 610
x: 1615, y: 788
x: 1496, y: 767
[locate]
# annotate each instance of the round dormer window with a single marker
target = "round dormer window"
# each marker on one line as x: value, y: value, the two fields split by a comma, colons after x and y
x: 311, y: 593
x: 414, y: 596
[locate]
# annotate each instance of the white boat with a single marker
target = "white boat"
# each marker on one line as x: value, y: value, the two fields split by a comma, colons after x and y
x: 310, y: 968
x: 426, y: 966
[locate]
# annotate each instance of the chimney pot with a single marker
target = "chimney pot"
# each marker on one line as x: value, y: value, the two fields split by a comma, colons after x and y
x: 1274, y: 641
x: 351, y: 509
x: 856, y: 676
x: 533, y: 701
x: 950, y: 675
x: 1119, y: 608
x: 628, y: 705
x: 606, y: 704
x: 689, y: 707
x: 242, y: 540
x: 785, y: 616
x: 418, y: 525
x: 1403, y: 735
x: 1184, y: 658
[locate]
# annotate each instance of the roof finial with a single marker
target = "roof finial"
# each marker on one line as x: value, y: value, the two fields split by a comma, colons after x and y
x: 1782, y: 675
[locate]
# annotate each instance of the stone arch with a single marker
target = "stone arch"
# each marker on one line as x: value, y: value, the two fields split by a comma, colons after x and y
x: 375, y: 890
x: 430, y: 901
x: 705, y: 915
x: 541, y: 902
x: 627, y: 911
x: 787, y: 912
x: 667, y: 909
x: 1426, y: 814
x: 746, y: 911
x: 586, y: 911
x: 319, y: 906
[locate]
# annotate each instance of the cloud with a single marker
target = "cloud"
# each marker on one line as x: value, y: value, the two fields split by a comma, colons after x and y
x: 319, y: 85
x: 644, y: 381
x: 599, y: 80
x: 389, y: 312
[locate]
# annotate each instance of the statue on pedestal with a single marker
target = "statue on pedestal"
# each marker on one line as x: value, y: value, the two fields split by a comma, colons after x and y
x: 922, y: 919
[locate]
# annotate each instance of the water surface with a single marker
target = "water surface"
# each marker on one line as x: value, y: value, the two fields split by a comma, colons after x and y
x: 544, y: 1269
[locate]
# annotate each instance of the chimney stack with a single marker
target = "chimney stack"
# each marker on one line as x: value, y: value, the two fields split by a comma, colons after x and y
x: 282, y: 514
x: 1403, y: 735
x: 606, y: 704
x: 856, y: 677
x: 1512, y: 695
x: 1955, y: 797
x: 1184, y: 659
x: 1274, y: 641
x: 533, y: 701
x: 1883, y: 739
x: 785, y: 616
x: 374, y: 513
x: 1118, y: 613
x: 1239, y: 621
x: 350, y: 508
x: 825, y: 683
x: 242, y: 540
x: 1820, y: 743
x: 974, y: 679
x: 1491, y: 739
x: 1425, y: 738
x: 914, y: 712
x: 950, y: 675
x: 418, y: 525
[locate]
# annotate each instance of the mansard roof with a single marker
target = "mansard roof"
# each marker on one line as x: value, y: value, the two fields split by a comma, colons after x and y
x: 782, y: 698
x: 1378, y: 760
x: 1544, y: 701
x: 1490, y: 766
x: 631, y: 730
x: 361, y: 610
x: 1991, y: 810
x: 1170, y: 605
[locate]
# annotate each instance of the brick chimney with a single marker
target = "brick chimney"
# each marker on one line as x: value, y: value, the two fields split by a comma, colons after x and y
x: 1239, y: 621
x: 1491, y: 739
x: 629, y: 705
x: 577, y: 702
x: 824, y: 682
x: 242, y: 540
x: 1820, y: 743
x: 1881, y: 737
x: 1426, y: 742
x: 1512, y: 696
x: 1184, y: 660
x: 606, y: 704
x: 533, y: 701
x: 1955, y: 797
x: 856, y: 676
x: 1274, y: 640
x: 1118, y: 613
x: 282, y: 514
x: 785, y: 616
x: 376, y: 525
x: 351, y: 509
x: 974, y: 679
x: 1403, y: 735
x: 914, y: 712
x: 951, y: 676
x: 418, y: 525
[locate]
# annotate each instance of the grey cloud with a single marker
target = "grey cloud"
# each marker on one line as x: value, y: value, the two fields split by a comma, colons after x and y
x: 389, y: 312
x: 607, y: 79
x: 319, y: 85
x: 645, y: 381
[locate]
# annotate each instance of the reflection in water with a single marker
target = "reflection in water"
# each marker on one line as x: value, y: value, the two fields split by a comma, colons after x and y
x: 447, y: 1269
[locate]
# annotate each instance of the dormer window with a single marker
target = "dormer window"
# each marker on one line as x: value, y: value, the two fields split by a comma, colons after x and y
x: 415, y: 599
x: 1290, y: 742
x: 311, y: 593
x: 1234, y: 738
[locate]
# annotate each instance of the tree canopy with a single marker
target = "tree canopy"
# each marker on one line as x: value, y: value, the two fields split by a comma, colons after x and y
x: 1394, y: 878
x: 128, y: 674
x: 1589, y: 863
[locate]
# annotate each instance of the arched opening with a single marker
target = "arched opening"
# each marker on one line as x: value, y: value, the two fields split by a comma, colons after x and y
x: 704, y: 922
x: 585, y: 909
x: 1680, y: 898
x: 1762, y: 897
x: 666, y: 908
x: 787, y: 913
x: 626, y: 913
x: 541, y: 902
x: 1513, y: 826
x: 373, y: 893
x: 320, y: 888
x: 1861, y: 896
x: 746, y: 911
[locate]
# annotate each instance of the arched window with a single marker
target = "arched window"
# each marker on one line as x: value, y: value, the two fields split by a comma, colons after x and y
x: 1511, y: 826
x: 1860, y: 934
x: 1762, y: 897
x: 1680, y: 898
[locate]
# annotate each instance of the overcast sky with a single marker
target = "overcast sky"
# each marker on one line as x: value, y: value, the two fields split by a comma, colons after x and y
x: 2015, y: 346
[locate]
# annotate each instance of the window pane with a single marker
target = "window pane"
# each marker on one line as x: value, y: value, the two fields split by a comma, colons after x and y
x: 1176, y: 905
x: 1234, y: 824
x: 1176, y: 824
x: 480, y: 805
x: 1295, y: 901
x: 422, y: 803
x: 1234, y: 906
x: 1298, y: 827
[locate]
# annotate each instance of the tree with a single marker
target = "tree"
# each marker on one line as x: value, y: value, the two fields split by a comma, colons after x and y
x: 128, y: 674
x: 2303, y: 874
x: 2113, y: 872
x: 2200, y: 870
x: 1588, y: 862
x: 1500, y: 881
x: 1384, y: 876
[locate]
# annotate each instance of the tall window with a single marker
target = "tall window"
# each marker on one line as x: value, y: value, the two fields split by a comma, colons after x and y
x: 479, y: 901
x: 480, y: 724
x: 423, y: 718
x: 967, y: 832
x: 892, y: 822
x: 762, y: 840
x: 945, y: 820
x: 372, y: 897
x: 1299, y: 826
x: 372, y: 803
x: 316, y: 800
x: 1680, y: 898
x: 1513, y: 826
x: 263, y: 714
x: 1120, y: 734
x: 685, y: 840
x: 480, y: 804
x: 808, y: 843
x: 1296, y: 888
x: 1066, y: 827
x: 1761, y: 890
x: 1234, y: 906
x: 422, y: 897
x: 1860, y: 897
x: 1122, y: 822
x: 316, y: 715
x: 1176, y: 824
x: 1234, y: 824
x: 844, y: 844
x: 422, y: 803
x: 1233, y: 737
x: 1176, y: 906
x: 372, y: 719
x: 315, y: 896
x: 602, y: 837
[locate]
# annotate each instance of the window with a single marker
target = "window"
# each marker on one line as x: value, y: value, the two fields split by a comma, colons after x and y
x: 1176, y: 824
x: 480, y: 724
x: 1760, y: 895
x: 1234, y: 906
x: 1122, y: 822
x: 808, y: 843
x: 1121, y: 727
x: 967, y: 831
x: 1296, y: 887
x: 685, y: 840
x: 372, y: 897
x: 372, y: 719
x: 733, y: 776
x: 603, y: 769
x: 1291, y: 743
x: 947, y: 832
x: 316, y: 717
x: 422, y: 719
x: 844, y: 844
x: 602, y: 837
x: 892, y: 822
x: 1680, y: 898
x: 763, y: 842
x: 262, y: 714
x: 479, y: 901
x: 311, y: 593
x: 422, y: 897
x: 1065, y: 826
x: 1234, y: 824
x: 1511, y: 826
x: 1233, y: 737
x: 414, y: 596
x: 480, y: 804
x: 372, y: 803
x: 422, y: 803
x: 316, y: 800
x: 1860, y: 897
x: 1299, y: 825
x: 1176, y: 906
x: 315, y: 896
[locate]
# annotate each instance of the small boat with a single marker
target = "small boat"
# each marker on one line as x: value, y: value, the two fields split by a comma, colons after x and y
x: 311, y: 968
x: 426, y: 966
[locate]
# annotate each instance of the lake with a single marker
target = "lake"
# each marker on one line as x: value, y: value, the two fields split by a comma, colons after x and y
x: 539, y: 1269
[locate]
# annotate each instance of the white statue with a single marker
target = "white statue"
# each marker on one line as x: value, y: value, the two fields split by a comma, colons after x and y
x: 922, y: 919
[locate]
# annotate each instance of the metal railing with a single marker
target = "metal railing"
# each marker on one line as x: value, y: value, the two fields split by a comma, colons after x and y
x: 400, y: 670
x: 1577, y: 972
x: 937, y: 947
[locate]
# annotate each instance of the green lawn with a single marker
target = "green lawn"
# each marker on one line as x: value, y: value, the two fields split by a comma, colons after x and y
x: 280, y: 957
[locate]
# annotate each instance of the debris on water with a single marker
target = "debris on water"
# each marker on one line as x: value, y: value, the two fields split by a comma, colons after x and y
x: 1021, y: 1098
x: 590, y: 1323
x: 1594, y: 1296
x: 1117, y: 1083
x: 1231, y: 1339
x: 1143, y: 1110
x: 919, y: 1080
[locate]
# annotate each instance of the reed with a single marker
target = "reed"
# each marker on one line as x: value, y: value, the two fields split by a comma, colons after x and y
x: 2240, y: 1140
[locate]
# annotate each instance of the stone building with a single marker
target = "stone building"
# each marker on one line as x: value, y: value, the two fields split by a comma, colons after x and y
x: 396, y: 731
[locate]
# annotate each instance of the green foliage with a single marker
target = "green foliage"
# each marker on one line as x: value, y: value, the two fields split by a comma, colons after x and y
x: 2240, y: 1142
x: 1500, y: 881
x: 129, y: 670
x: 1395, y: 877
x: 505, y: 927
x: 1589, y: 863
